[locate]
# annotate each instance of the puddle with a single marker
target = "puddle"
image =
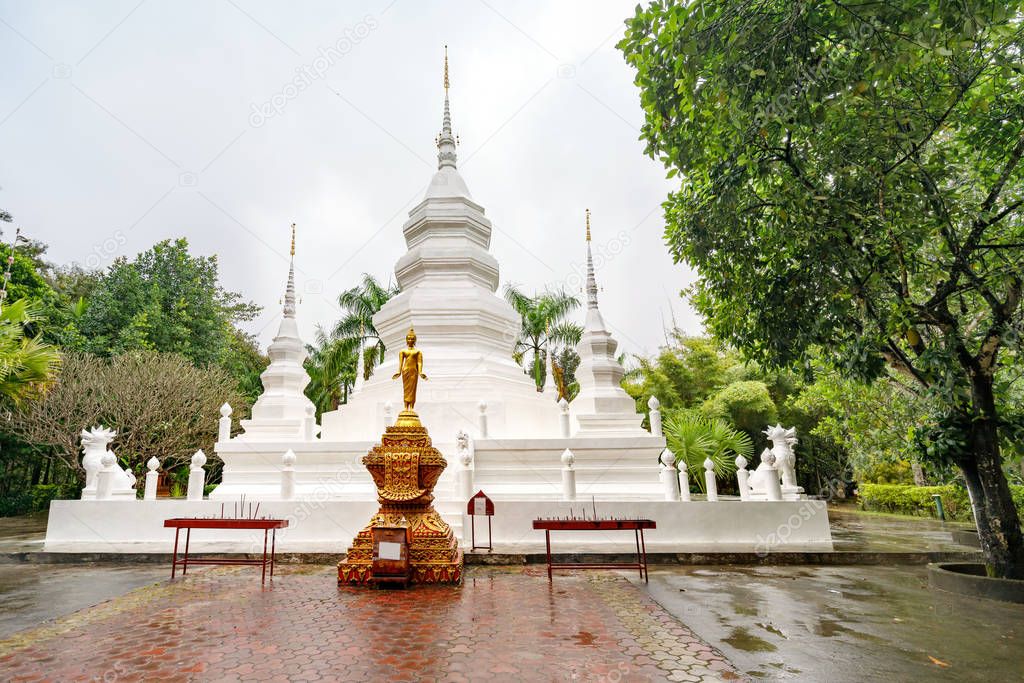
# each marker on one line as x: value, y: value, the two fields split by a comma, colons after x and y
x: 742, y: 639
x: 771, y: 629
x: 829, y: 628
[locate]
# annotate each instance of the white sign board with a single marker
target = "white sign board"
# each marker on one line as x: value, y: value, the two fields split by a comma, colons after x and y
x: 480, y: 506
x: 389, y: 551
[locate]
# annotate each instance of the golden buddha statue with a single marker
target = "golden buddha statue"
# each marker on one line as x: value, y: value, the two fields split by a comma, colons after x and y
x: 410, y: 368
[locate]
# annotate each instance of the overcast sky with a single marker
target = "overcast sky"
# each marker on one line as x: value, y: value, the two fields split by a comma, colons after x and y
x: 223, y: 121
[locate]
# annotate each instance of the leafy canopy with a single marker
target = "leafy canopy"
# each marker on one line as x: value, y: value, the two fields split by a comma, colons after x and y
x: 165, y: 300
x: 851, y: 175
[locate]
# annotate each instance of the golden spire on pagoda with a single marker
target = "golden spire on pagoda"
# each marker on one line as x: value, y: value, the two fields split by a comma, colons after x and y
x: 446, y: 69
x: 588, y: 225
x: 293, y: 239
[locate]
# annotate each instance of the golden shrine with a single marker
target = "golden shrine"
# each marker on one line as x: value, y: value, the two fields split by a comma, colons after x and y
x: 405, y: 467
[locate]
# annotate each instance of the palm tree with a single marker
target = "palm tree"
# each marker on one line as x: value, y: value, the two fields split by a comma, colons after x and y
x: 544, y: 327
x: 360, y: 303
x: 693, y: 439
x: 331, y: 365
x: 27, y: 364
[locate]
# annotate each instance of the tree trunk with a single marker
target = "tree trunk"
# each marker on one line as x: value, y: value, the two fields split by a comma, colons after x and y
x: 994, y: 512
x: 918, y: 471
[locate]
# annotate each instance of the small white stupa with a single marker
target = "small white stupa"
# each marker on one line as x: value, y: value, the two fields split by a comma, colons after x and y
x: 602, y: 406
x: 283, y: 411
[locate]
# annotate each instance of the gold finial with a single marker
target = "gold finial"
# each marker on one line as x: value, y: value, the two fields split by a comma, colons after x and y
x: 588, y: 225
x: 445, y: 69
x: 293, y: 239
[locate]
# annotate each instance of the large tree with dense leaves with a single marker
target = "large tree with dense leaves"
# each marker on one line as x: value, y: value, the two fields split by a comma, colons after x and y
x: 852, y: 180
x: 166, y: 300
x: 160, y: 404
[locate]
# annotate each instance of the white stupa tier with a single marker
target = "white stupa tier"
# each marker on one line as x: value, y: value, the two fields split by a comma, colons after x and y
x: 498, y: 433
x: 283, y: 411
x: 602, y: 407
x: 448, y: 280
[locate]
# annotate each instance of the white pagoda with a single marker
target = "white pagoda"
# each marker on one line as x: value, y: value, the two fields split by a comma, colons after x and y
x: 532, y: 455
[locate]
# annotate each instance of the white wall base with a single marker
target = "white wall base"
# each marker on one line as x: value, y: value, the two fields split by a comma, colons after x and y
x: 329, y: 526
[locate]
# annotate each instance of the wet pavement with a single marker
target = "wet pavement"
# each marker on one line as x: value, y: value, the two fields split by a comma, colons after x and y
x: 844, y: 623
x: 24, y: 533
x: 32, y: 593
x: 502, y: 624
x: 869, y: 532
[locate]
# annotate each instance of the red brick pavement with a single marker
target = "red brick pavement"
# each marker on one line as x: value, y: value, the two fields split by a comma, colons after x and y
x: 502, y: 624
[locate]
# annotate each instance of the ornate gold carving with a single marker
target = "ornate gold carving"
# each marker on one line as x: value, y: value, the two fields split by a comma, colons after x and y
x: 405, y: 467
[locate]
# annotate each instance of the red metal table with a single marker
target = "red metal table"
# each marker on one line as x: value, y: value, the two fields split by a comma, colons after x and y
x: 637, y: 526
x: 269, y: 526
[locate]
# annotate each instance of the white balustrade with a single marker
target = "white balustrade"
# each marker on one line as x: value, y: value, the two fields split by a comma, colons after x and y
x: 563, y: 405
x: 773, y: 487
x: 709, y: 480
x: 196, y: 476
x: 684, y: 482
x: 655, y: 416
x: 669, y: 475
x: 288, y: 475
x: 742, y: 477
x: 224, y: 424
x: 105, y: 477
x: 568, y: 475
x: 152, y: 478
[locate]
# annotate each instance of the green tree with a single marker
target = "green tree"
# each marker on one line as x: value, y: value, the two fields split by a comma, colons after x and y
x: 360, y: 304
x: 332, y: 365
x: 853, y: 182
x: 165, y: 300
x: 747, y: 405
x: 27, y: 363
x: 544, y: 329
x: 160, y: 404
x: 694, y: 439
x: 685, y: 372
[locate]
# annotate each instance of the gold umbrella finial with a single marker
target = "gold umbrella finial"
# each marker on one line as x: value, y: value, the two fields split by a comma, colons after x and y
x: 588, y: 225
x: 446, y: 69
x: 293, y: 239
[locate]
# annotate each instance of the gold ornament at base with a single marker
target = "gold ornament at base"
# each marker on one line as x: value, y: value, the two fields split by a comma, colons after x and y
x: 405, y: 467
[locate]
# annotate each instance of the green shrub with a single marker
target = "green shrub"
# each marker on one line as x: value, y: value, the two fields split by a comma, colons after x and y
x: 42, y: 494
x: 15, y: 503
x: 36, y: 498
x: 917, y: 500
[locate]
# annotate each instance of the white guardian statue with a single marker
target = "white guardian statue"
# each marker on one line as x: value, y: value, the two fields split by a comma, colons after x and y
x: 94, y: 447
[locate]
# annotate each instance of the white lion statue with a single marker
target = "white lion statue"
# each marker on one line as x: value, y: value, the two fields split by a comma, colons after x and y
x: 94, y: 447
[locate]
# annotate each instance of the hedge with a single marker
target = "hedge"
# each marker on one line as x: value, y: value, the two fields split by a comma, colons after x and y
x: 917, y: 500
x: 35, y: 499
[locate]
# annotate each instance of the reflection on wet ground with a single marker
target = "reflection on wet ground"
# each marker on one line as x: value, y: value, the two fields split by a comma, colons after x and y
x: 32, y: 593
x: 853, y: 530
x: 844, y: 623
x: 22, y: 534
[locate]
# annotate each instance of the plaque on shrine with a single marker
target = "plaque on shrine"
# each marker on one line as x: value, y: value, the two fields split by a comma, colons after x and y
x: 390, y: 555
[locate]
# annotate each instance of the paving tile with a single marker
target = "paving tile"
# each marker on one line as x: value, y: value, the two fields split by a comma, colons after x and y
x: 502, y: 623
